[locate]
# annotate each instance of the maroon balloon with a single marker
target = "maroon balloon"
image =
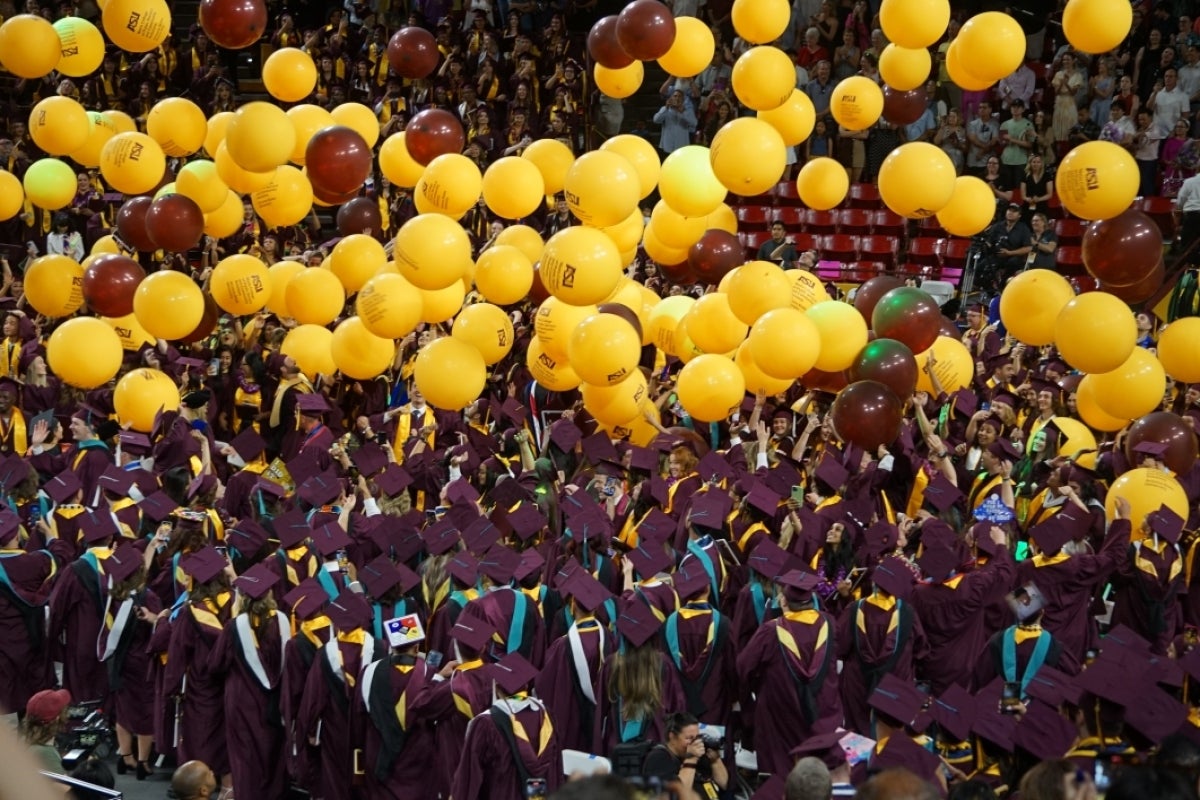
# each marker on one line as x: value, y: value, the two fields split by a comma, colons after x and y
x: 821, y: 381
x: 109, y: 283
x: 950, y: 329
x: 908, y: 315
x: 208, y: 321
x: 646, y: 29
x: 1122, y: 251
x: 868, y: 414
x: 870, y: 291
x: 603, y: 46
x: 412, y: 53
x: 716, y: 254
x: 131, y: 224
x: 333, y: 198
x: 889, y: 362
x: 175, y: 223
x: 538, y: 291
x: 689, y: 437
x: 233, y: 24
x: 904, y: 108
x: 1141, y: 291
x: 625, y: 313
x: 1165, y: 428
x: 358, y: 216
x: 431, y: 133
x: 338, y: 160
x: 678, y: 274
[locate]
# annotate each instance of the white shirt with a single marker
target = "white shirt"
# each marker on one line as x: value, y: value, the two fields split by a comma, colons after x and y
x: 1189, y: 79
x: 1188, y: 199
x: 65, y: 244
x: 1169, y: 106
x: 1020, y: 84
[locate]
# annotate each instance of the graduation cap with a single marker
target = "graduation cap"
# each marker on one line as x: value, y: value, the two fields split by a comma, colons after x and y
x: 769, y: 559
x: 158, y: 506
x: 1004, y: 450
x: 440, y: 537
x: 1165, y: 524
x: 830, y: 472
x: 480, y: 535
x: 204, y: 564
x: 513, y: 411
x: 370, y: 459
x: 691, y: 583
x: 393, y: 480
x: 532, y: 562
x: 882, y: 537
x: 565, y: 434
x: 713, y: 465
x: 508, y: 492
x: 954, y: 711
x: 893, y: 576
x: 1107, y: 678
x: 991, y: 723
x: 257, y: 581
x: 248, y: 444
x: 1051, y: 534
x: 312, y: 404
x: 941, y: 493
x: 97, y: 527
x: 1156, y: 714
x: 782, y: 477
x: 320, y: 490
x: 935, y: 533
x: 526, y: 521
x: 196, y: 399
x: 380, y: 576
x: 461, y: 492
x: 966, y: 402
x: 593, y: 526
x: 1044, y: 732
x: 636, y: 622
x: 825, y: 747
x: 472, y: 633
x: 464, y: 568
x: 938, y: 562
x: 134, y: 443
x: 658, y: 490
x: 564, y: 572
x: 643, y: 459
x: 349, y: 612
x: 1155, y: 450
x: 901, y: 752
x: 772, y: 789
x: 762, y: 498
x: 63, y: 486
x: 116, y: 480
x: 13, y: 471
x: 269, y: 487
x: 120, y: 565
x: 598, y: 447
x: 292, y: 528
x: 330, y: 538
x: 513, y: 673
x: 307, y: 599
x: 898, y: 699
x: 798, y: 586
x: 656, y: 527
x: 1125, y: 637
x: 500, y: 563
x: 982, y: 533
x: 649, y: 559
x: 248, y: 537
x: 1052, y: 687
x: 709, y: 510
x: 588, y: 592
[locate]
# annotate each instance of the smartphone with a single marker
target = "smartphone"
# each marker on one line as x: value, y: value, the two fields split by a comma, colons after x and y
x: 985, y: 406
x: 224, y: 551
x: 433, y: 659
x: 798, y: 495
x: 214, y: 366
x: 535, y: 789
x: 1101, y: 775
x: 1010, y: 697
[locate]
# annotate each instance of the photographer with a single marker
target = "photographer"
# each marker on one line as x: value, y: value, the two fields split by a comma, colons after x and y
x: 1011, y: 242
x: 687, y: 756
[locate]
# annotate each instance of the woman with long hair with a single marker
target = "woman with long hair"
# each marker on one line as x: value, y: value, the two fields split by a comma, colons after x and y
x: 1066, y: 83
x: 832, y: 565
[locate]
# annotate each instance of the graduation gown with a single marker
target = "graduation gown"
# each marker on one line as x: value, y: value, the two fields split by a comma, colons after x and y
x: 488, y: 769
x: 252, y: 665
x: 608, y: 730
x: 1027, y: 652
x: 452, y: 704
x: 76, y: 612
x: 194, y: 634
x: 23, y: 649
x: 87, y: 460
x: 397, y: 745
x: 698, y: 639
x: 124, y: 647
x: 516, y: 617
x: 792, y: 664
x: 874, y: 639
x: 1148, y: 584
x: 298, y: 655
x: 569, y: 681
x: 952, y: 616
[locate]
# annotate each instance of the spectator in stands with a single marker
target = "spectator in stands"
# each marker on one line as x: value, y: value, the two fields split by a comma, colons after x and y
x: 883, y: 138
x: 1189, y: 78
x: 1017, y: 86
x: 1179, y: 159
x: 1120, y: 128
x: 1145, y: 151
x: 828, y: 25
x: 1037, y: 187
x: 1066, y: 84
x: 1044, y: 143
x: 780, y: 248
x: 1012, y: 241
x: 1146, y: 61
x: 64, y: 241
x: 923, y: 129
x: 953, y: 93
x: 983, y: 133
x: 719, y: 111
x: 1169, y: 103
x: 677, y: 121
x: 952, y: 138
x: 846, y: 57
x: 1187, y: 216
x: 1102, y: 88
x: 820, y: 143
x: 1044, y: 242
x: 852, y: 150
x: 1085, y: 130
x: 1017, y: 135
x: 812, y: 52
x: 820, y: 89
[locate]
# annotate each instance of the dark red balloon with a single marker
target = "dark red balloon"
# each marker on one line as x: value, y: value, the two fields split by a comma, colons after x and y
x: 338, y: 160
x: 109, y: 283
x: 131, y: 224
x: 175, y: 223
x: 359, y: 216
x: 208, y: 321
x: 1141, y: 291
x: 868, y: 414
x: 1122, y: 251
x: 690, y: 438
x: 603, y: 46
x: 624, y: 312
x: 870, y: 291
x: 889, y: 362
x: 333, y: 198
x: 538, y: 291
x: 950, y: 329
x: 431, y: 133
x: 716, y: 254
x: 904, y: 108
x: 646, y: 29
x: 413, y: 53
x: 908, y: 315
x: 678, y: 274
x: 1163, y: 427
x: 821, y: 381
x: 233, y: 24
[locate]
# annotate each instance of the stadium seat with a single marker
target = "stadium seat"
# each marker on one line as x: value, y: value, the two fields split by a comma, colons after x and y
x: 752, y: 240
x: 818, y: 222
x: 862, y: 271
x: 838, y: 247
x: 924, y: 250
x: 853, y: 221
x: 1070, y: 260
x: 787, y: 195
x: 1159, y: 209
x: 863, y: 195
x: 1069, y: 230
x: 880, y: 249
x: 885, y: 222
x: 929, y: 226
x: 804, y: 241
x: 792, y: 216
x: 754, y: 218
x: 955, y: 254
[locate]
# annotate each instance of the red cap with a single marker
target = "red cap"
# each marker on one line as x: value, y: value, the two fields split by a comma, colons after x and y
x: 47, y: 705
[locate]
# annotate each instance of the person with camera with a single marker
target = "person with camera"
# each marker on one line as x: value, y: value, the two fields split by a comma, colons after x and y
x: 686, y: 756
x: 1009, y: 243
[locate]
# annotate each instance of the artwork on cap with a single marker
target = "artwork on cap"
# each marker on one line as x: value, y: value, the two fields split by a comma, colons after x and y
x: 1025, y: 601
x: 995, y: 511
x: 403, y: 631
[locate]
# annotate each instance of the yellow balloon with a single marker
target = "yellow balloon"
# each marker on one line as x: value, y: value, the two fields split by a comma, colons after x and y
x: 137, y: 26
x: 1089, y: 409
x: 842, y: 331
x: 289, y: 74
x: 748, y: 156
x: 756, y: 380
x: 1147, y: 490
x: 664, y: 318
x: 50, y: 184
x: 794, y: 119
x: 553, y: 159
x: 638, y: 430
x: 1133, y: 389
x: 723, y: 219
x: 132, y: 163
x: 959, y: 74
x: 439, y: 305
x: 971, y: 207
x: 240, y: 284
x: 641, y: 154
x: 54, y: 285
x: 226, y: 220
x: 359, y: 353
x: 807, y: 289
x: 1074, y: 442
x: 857, y: 103
x: 763, y: 77
x: 100, y: 129
x: 525, y: 239
x: 685, y: 347
x: 619, y: 83
x: 199, y: 181
x: 602, y: 188
x: 123, y: 122
x: 688, y: 184
x: 315, y: 297
x: 239, y: 180
x: 486, y: 328
x: 1178, y: 349
x: 355, y: 260
x: 311, y: 347
x: 991, y: 45
x: 914, y: 23
x: 604, y: 350
x: 904, y: 68
x: 29, y: 46
x: 286, y: 199
x: 306, y: 120
x: 260, y: 137
x: 59, y: 125
x: 141, y: 395
x: 513, y: 187
x: 710, y: 387
x: 358, y: 118
x: 692, y: 50
x: 81, y: 47
x: 130, y: 333
x: 713, y: 326
x: 168, y: 304
x: 916, y: 180
x: 450, y: 373
x: 675, y: 230
x: 503, y: 274
x: 1097, y: 26
x: 660, y: 252
x: 389, y: 306
x: 758, y: 287
x: 12, y: 195
x: 580, y: 266
x: 760, y: 21
x: 822, y: 183
x: 281, y: 274
x: 396, y: 164
x: 178, y: 125
x: 432, y: 251
x: 550, y: 371
x: 217, y: 125
x: 784, y: 343
x: 616, y: 404
x: 626, y: 234
x: 1030, y: 305
x: 84, y: 352
x: 1095, y: 332
x: 554, y: 323
x: 450, y: 185
x: 953, y: 364
x: 105, y: 244
x: 1097, y: 180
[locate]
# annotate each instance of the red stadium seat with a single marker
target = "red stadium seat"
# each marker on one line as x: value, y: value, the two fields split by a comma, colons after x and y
x: 1159, y: 209
x: 1070, y: 260
x: 754, y: 218
x: 955, y: 254
x: 1069, y: 230
x: 804, y: 241
x: 885, y: 222
x: 786, y: 194
x: 752, y: 240
x: 792, y: 216
x: 853, y: 221
x: 925, y: 251
x: 929, y: 226
x: 863, y: 195
x: 880, y: 249
x: 838, y: 247
x: 862, y: 271
x: 819, y: 221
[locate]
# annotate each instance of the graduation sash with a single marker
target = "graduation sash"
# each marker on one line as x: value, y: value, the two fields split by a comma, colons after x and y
x: 718, y: 634
x: 874, y: 663
x: 209, y: 613
x: 710, y: 569
x: 404, y: 429
x: 391, y: 721
x: 505, y: 719
x: 15, y: 429
x: 248, y: 648
x: 299, y: 383
x: 579, y: 663
x: 1008, y: 657
x: 981, y: 488
x: 806, y: 690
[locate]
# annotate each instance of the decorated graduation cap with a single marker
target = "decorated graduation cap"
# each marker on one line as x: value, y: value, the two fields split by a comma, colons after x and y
x: 636, y: 622
x: 204, y: 564
x: 307, y: 599
x: 120, y: 565
x: 893, y: 576
x: 954, y: 712
x: 63, y: 487
x: 257, y: 581
x: 349, y: 612
x: 825, y: 747
x: 513, y: 673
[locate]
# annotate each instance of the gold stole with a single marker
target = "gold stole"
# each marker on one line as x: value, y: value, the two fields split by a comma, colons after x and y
x: 404, y: 428
x: 12, y: 358
x: 16, y: 429
x: 982, y: 488
x: 300, y: 383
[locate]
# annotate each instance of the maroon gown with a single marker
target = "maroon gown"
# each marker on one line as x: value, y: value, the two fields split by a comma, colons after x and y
x: 704, y: 662
x: 396, y: 754
x: 76, y: 610
x: 568, y: 684
x: 873, y: 642
x: 23, y: 640
x: 488, y: 770
x: 608, y: 720
x: 303, y: 764
x: 194, y: 634
x: 1148, y: 585
x: 124, y: 647
x: 452, y: 704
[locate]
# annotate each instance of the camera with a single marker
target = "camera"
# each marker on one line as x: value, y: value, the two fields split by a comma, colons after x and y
x: 713, y: 741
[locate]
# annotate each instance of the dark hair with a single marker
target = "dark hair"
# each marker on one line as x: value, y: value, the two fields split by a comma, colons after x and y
x: 1179, y: 752
x: 95, y: 772
x: 679, y: 720
x: 971, y: 790
x: 1136, y: 783
x: 596, y: 787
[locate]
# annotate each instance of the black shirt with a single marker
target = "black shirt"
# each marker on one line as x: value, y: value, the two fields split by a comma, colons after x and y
x: 661, y: 763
